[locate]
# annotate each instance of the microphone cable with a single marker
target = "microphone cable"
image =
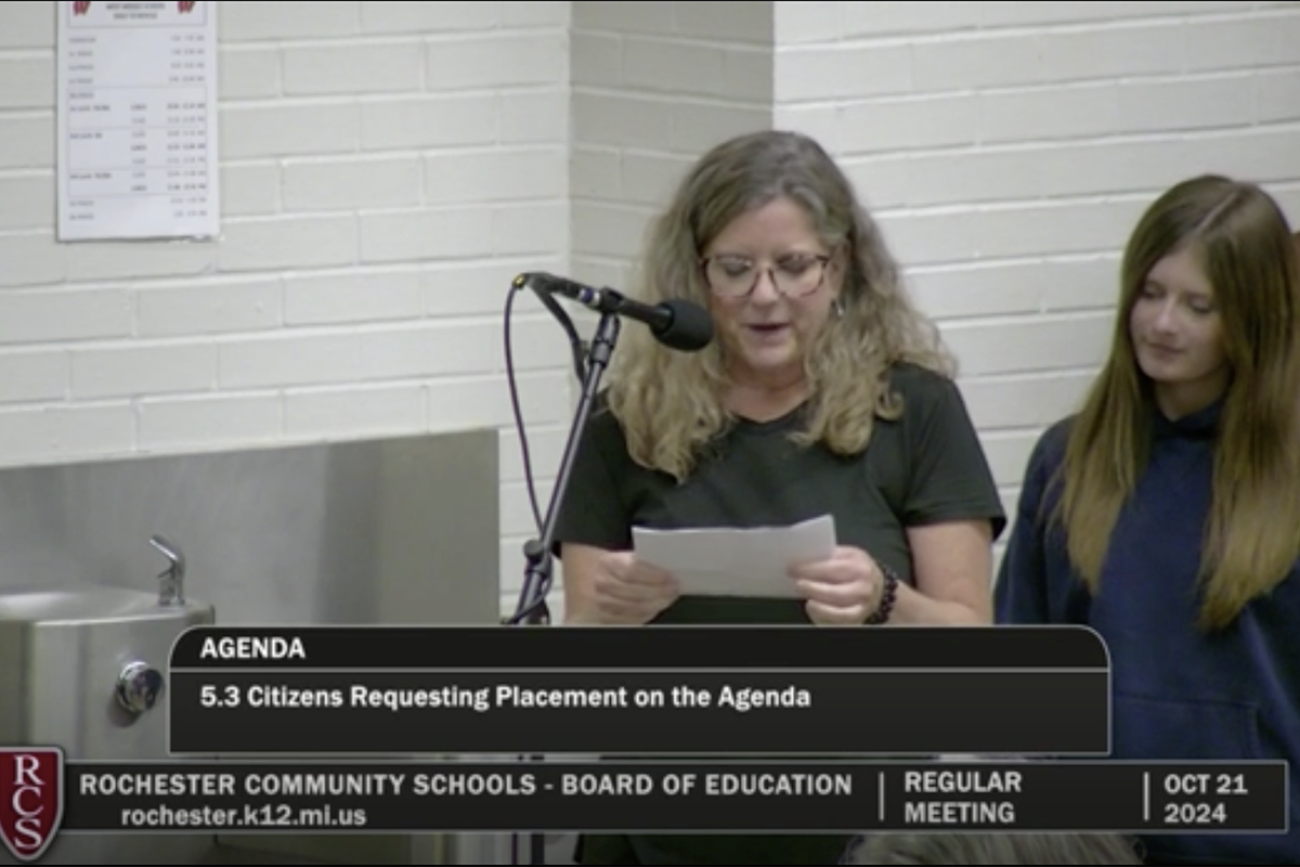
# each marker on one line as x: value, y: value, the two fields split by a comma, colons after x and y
x: 578, y: 348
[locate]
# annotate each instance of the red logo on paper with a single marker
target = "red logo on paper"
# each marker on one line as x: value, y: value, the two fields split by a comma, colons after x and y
x: 31, y: 799
x: 80, y: 7
x: 186, y: 5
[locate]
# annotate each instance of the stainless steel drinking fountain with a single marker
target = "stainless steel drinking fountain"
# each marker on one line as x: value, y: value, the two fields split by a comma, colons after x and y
x: 84, y: 667
x: 400, y: 530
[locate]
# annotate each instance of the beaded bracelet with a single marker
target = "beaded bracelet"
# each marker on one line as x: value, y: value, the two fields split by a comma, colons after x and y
x: 887, y: 597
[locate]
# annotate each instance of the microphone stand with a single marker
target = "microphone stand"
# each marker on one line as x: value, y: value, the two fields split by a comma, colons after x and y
x: 532, y: 609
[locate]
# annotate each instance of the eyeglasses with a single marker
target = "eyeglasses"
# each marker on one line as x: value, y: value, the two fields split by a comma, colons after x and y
x: 793, y: 276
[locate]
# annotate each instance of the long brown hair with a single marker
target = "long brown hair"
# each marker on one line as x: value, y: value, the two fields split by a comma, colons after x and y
x: 670, y: 403
x: 1252, y: 538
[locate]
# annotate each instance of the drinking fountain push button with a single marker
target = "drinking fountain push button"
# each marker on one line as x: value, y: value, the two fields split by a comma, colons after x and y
x: 138, y: 687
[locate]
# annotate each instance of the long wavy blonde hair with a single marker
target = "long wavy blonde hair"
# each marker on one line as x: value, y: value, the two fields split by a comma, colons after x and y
x: 1253, y: 531
x: 670, y: 403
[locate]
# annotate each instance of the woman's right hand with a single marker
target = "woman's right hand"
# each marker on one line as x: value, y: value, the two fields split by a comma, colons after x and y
x: 619, y: 590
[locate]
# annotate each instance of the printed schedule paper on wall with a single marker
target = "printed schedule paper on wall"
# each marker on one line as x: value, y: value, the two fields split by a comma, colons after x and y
x: 137, y: 120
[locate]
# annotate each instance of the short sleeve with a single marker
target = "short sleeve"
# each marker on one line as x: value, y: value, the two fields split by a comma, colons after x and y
x: 594, y: 510
x: 950, y: 478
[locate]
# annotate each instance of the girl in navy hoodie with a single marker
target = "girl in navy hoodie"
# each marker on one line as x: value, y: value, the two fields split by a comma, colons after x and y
x: 1166, y: 513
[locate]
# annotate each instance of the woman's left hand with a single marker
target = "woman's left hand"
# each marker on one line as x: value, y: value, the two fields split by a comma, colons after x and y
x: 842, y: 590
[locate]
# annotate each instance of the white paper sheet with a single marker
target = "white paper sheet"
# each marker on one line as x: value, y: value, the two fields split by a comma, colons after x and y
x: 137, y: 120
x: 736, y: 562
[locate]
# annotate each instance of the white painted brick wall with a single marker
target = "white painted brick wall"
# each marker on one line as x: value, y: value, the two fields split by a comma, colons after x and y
x: 1007, y: 148
x: 654, y: 85
x: 387, y: 168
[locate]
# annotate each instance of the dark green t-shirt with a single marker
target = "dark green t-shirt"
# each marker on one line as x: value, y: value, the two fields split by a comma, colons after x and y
x: 924, y: 468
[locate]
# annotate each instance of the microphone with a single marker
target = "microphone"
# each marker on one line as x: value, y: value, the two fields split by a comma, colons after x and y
x: 676, y: 323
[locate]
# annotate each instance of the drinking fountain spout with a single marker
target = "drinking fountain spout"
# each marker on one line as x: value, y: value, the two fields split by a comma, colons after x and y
x: 171, y: 581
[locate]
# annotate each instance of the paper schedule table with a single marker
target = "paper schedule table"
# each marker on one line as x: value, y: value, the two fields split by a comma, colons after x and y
x: 137, y: 120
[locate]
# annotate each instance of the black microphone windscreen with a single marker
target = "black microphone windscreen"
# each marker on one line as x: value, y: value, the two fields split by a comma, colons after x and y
x: 691, y: 328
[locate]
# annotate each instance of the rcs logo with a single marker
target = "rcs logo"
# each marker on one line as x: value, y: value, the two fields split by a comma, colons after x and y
x: 81, y: 7
x: 31, y: 799
x: 186, y: 5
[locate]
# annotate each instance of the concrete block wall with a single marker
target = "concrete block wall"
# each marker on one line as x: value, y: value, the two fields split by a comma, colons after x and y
x: 387, y: 168
x: 655, y: 84
x: 1008, y: 147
